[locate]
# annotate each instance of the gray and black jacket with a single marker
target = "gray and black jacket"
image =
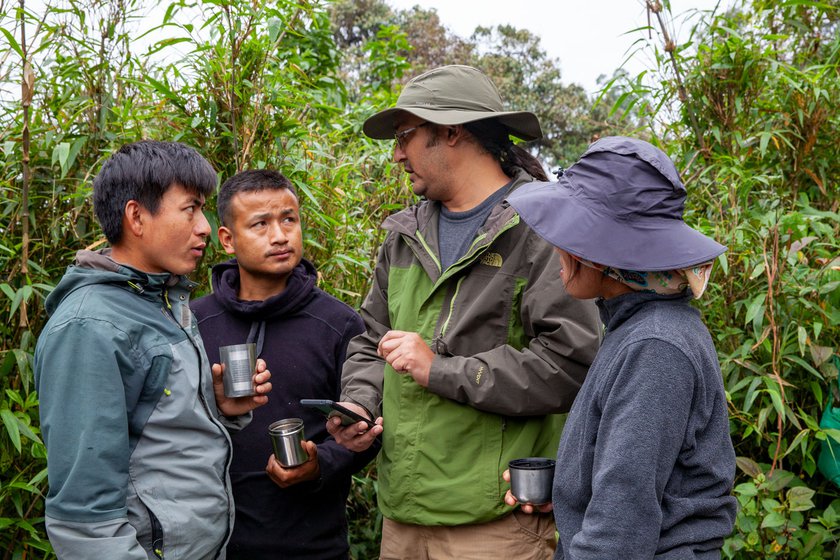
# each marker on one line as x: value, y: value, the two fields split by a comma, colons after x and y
x: 138, y: 452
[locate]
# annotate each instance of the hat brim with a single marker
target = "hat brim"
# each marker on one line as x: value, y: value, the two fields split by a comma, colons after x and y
x: 522, y: 124
x: 652, y: 244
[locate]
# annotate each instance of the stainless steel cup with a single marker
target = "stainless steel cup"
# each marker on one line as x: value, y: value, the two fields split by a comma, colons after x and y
x: 287, y: 440
x: 239, y: 360
x: 531, y: 480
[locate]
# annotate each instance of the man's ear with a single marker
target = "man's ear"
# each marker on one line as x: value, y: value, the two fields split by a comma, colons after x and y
x: 226, y: 239
x: 454, y: 134
x: 133, y: 219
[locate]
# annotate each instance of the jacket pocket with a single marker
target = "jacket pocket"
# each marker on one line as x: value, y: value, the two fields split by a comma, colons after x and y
x: 157, y: 534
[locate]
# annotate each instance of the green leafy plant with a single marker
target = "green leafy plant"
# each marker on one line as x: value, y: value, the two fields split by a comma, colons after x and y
x: 777, y: 519
x: 754, y: 93
x: 752, y: 119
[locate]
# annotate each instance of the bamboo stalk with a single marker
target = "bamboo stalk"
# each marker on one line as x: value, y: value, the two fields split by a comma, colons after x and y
x: 27, y: 86
x: 655, y: 7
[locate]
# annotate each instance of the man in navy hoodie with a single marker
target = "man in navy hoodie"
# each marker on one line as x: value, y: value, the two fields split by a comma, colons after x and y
x: 267, y: 295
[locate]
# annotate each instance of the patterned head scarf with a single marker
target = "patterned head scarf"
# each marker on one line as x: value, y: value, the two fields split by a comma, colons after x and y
x: 665, y: 282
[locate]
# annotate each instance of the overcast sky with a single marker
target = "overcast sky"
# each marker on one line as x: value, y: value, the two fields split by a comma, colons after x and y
x: 589, y: 38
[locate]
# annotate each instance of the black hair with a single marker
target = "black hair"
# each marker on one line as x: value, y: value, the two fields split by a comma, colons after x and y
x: 249, y: 181
x: 494, y: 138
x: 144, y: 171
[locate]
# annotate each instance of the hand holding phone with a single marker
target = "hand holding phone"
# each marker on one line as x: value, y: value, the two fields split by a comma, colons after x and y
x: 332, y: 408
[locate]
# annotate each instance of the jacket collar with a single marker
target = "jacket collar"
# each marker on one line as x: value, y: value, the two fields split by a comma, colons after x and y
x: 617, y: 310
x: 423, y: 217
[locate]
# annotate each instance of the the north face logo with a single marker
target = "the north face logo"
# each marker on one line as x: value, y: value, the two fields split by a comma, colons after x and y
x: 492, y: 259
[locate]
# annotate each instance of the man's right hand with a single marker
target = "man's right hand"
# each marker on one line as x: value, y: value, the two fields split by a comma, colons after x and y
x: 355, y: 437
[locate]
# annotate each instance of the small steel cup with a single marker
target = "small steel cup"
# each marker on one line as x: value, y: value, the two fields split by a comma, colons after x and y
x: 240, y: 361
x: 287, y: 440
x: 531, y: 480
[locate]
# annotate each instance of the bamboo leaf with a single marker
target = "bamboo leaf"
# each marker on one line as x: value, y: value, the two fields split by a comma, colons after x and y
x: 776, y: 399
x: 60, y: 154
x: 8, y: 290
x: 38, y: 477
x: 12, y: 42
x: 763, y: 141
x: 755, y: 306
x: 12, y: 429
x: 26, y: 431
x: 802, y: 338
x: 799, y: 438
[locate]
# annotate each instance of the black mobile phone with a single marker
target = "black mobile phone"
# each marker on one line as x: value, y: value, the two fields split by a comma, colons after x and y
x: 332, y: 408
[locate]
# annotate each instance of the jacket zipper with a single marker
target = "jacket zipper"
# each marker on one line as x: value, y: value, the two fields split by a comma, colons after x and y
x: 469, y: 256
x: 203, y: 400
x: 451, y: 308
x: 157, y: 533
x: 429, y: 251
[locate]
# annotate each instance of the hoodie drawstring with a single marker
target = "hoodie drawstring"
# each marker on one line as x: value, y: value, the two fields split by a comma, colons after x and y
x: 257, y: 334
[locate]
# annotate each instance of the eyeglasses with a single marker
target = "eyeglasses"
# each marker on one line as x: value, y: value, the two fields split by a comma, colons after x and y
x: 402, y: 136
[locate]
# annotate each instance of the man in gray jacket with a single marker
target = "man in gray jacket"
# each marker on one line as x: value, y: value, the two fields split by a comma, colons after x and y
x: 472, y: 346
x: 134, y: 420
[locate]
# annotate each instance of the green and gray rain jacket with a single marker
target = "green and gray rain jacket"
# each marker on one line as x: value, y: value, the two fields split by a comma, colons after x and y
x: 137, y: 450
x: 512, y: 349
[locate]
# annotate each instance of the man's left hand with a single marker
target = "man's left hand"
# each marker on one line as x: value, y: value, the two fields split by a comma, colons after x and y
x: 407, y: 352
x: 235, y: 406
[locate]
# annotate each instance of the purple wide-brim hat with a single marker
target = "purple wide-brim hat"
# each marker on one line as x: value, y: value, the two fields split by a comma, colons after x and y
x: 620, y: 205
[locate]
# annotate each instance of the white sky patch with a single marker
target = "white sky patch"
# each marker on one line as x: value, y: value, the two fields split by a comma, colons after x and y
x: 588, y: 38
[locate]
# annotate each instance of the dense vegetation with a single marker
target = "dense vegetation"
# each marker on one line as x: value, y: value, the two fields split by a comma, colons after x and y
x: 748, y: 107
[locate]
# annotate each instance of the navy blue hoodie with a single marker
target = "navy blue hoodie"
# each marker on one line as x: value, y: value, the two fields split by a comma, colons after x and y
x: 302, y: 334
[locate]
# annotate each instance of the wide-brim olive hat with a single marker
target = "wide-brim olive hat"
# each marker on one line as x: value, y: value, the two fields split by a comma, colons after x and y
x: 452, y: 95
x: 620, y: 205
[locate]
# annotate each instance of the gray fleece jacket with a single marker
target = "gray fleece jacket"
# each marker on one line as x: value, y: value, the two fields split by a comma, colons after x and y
x: 646, y: 464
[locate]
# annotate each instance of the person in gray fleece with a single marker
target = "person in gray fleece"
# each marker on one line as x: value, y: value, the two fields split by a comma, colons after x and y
x: 646, y: 465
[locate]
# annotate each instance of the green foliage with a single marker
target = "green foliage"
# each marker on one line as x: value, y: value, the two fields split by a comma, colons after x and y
x: 754, y: 121
x: 776, y: 517
x: 363, y: 516
x: 752, y: 118
x: 248, y: 85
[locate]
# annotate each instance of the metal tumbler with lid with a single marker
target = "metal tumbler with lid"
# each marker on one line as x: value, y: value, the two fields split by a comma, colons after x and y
x: 287, y: 440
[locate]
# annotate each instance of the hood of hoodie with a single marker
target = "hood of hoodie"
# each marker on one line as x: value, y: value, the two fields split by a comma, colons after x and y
x: 300, y: 288
x: 97, y: 267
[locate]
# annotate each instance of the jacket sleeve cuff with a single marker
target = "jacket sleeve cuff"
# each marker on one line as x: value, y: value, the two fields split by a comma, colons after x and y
x: 235, y: 424
x: 367, y: 399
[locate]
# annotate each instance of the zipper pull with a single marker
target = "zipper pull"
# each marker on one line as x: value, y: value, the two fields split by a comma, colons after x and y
x: 136, y: 287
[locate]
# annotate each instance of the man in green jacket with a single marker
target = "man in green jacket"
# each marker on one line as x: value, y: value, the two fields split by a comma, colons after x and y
x: 472, y: 349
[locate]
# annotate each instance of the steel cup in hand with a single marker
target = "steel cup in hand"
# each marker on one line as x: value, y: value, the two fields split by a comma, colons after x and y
x: 287, y: 440
x: 240, y: 361
x: 531, y: 480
